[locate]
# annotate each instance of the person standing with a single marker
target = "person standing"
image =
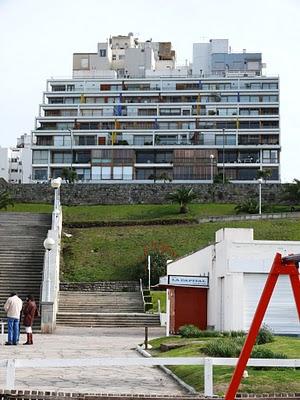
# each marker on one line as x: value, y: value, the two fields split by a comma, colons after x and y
x: 13, y: 308
x: 30, y: 311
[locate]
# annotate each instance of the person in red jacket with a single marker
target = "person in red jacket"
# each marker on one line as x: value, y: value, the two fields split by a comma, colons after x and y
x: 30, y: 311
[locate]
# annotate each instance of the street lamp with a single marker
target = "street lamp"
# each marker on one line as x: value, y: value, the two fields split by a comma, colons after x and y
x: 55, y: 184
x: 260, y: 181
x: 212, y: 157
x: 149, y: 272
x: 49, y: 244
x: 223, y: 130
x: 71, y: 142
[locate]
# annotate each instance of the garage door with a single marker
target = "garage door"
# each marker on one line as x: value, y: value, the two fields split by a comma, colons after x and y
x: 281, y: 314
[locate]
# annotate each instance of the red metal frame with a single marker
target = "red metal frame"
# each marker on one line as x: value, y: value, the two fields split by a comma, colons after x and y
x: 280, y: 266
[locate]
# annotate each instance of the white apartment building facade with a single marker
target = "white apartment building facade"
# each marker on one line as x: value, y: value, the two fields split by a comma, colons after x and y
x: 16, y: 161
x: 131, y: 114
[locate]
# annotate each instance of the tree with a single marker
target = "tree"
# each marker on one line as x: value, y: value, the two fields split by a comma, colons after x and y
x: 219, y: 178
x: 183, y: 196
x: 264, y: 174
x: 159, y: 254
x: 70, y: 175
x: 5, y: 200
x: 291, y: 192
x: 165, y: 177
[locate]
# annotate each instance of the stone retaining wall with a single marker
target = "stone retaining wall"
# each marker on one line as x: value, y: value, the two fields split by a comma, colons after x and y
x: 132, y: 193
x: 102, y: 286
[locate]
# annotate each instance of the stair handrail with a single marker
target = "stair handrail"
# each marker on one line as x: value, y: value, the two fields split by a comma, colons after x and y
x: 50, y: 285
x: 142, y: 293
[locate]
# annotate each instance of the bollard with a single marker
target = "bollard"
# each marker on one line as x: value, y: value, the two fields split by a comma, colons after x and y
x: 146, y: 338
x: 10, y: 374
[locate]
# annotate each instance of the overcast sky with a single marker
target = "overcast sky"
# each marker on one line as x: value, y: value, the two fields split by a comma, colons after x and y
x: 38, y: 37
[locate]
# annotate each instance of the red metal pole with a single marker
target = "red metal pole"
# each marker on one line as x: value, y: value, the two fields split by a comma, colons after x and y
x: 254, y: 328
x: 295, y: 282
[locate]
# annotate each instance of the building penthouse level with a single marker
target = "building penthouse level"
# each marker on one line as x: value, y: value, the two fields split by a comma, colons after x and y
x: 136, y: 116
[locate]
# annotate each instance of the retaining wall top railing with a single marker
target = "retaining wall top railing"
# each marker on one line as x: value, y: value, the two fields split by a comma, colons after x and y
x: 12, y: 364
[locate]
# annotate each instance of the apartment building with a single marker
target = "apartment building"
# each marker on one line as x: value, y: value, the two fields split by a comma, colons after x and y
x: 129, y: 113
x: 16, y: 161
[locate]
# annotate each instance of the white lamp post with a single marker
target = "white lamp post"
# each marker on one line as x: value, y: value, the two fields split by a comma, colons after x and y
x: 260, y: 181
x: 212, y: 157
x: 71, y: 142
x: 149, y: 272
x: 55, y: 184
x: 49, y: 244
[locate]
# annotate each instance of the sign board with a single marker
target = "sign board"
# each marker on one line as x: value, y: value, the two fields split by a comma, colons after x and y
x: 183, y: 280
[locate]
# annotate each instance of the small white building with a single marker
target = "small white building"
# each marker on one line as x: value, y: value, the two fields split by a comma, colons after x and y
x: 16, y: 161
x: 238, y: 267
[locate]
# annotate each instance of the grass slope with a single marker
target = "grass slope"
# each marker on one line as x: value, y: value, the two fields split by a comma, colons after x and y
x: 116, y: 253
x: 259, y: 381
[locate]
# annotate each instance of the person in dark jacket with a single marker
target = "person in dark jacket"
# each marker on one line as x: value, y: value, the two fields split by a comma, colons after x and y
x: 30, y: 311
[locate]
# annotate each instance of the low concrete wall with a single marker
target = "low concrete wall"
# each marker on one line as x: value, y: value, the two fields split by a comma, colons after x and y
x: 51, y: 395
x: 102, y: 286
x: 132, y: 193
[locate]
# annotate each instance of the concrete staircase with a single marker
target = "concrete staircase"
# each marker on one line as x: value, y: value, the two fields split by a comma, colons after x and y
x: 21, y: 254
x: 103, y: 309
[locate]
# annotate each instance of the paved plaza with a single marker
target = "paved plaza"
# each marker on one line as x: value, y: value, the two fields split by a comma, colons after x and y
x: 89, y: 343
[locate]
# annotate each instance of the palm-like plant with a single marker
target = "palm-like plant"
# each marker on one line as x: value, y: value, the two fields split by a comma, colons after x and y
x: 264, y: 174
x: 182, y: 196
x: 249, y: 206
x: 5, y: 200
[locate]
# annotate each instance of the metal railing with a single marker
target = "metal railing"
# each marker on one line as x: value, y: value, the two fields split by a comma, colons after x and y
x: 11, y: 365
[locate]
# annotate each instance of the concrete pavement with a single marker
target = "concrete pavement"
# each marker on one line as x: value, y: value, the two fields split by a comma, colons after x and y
x: 89, y: 343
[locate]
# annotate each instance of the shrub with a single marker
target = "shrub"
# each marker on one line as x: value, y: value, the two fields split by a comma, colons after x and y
x: 5, y: 200
x: 263, y: 352
x: 265, y: 335
x: 235, y: 334
x: 189, y: 331
x: 224, y: 347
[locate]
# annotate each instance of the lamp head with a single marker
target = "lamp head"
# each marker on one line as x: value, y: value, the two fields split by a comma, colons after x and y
x: 49, y: 243
x: 55, y: 183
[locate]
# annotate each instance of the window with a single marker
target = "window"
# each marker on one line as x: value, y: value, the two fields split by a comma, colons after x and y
x: 61, y: 157
x: 228, y: 140
x: 272, y: 85
x: 61, y: 141
x: 105, y: 172
x: 117, y: 173
x: 83, y: 156
x: 114, y: 57
x: 270, y: 156
x: 102, y: 52
x: 127, y: 173
x: 255, y: 85
x: 84, y: 63
x: 121, y: 57
x: 40, y: 174
x: 40, y: 156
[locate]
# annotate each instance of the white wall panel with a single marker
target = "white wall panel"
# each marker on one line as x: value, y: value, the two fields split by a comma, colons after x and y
x: 281, y: 314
